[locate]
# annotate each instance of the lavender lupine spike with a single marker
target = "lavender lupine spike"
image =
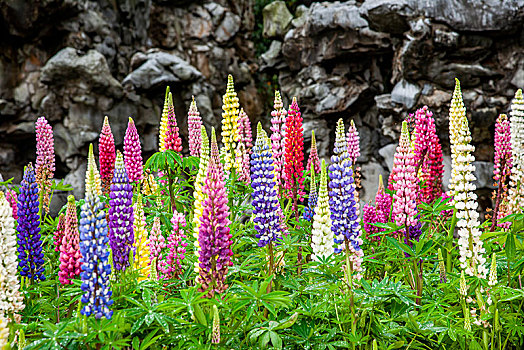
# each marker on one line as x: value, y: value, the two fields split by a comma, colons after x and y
x: 133, y: 153
x: 309, y: 211
x: 30, y: 254
x: 11, y: 301
x: 313, y: 155
x: 121, y: 234
x: 70, y: 258
x: 45, y: 160
x: 93, y: 248
x: 194, y: 125
x: 278, y: 135
x: 265, y: 199
x: 353, y: 143
x: 214, y: 237
x: 344, y: 209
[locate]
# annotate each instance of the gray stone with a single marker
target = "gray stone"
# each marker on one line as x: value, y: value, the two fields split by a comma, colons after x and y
x: 273, y: 55
x: 76, y: 179
x: 405, y: 93
x: 389, y: 16
x: 388, y: 152
x: 518, y: 78
x: 370, y: 180
x: 327, y: 15
x: 277, y: 19
x: 228, y: 28
x: 300, y: 16
x: 321, y: 134
x: 483, y: 174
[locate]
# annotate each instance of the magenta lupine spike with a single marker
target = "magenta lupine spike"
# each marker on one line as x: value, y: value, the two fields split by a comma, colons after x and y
x: 106, y: 154
x: 171, y: 267
x: 353, y: 143
x: 294, y: 156
x: 45, y: 159
x: 59, y: 232
x: 278, y: 137
x: 370, y: 217
x: 214, y: 236
x: 313, y: 155
x: 246, y: 136
x: 157, y: 242
x: 133, y: 153
x: 194, y: 125
x: 70, y: 258
x: 172, y: 140
x: 11, y: 197
x: 383, y: 202
x: 428, y: 155
x: 502, y: 170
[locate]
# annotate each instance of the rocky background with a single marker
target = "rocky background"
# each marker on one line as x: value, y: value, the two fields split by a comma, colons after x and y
x: 373, y: 61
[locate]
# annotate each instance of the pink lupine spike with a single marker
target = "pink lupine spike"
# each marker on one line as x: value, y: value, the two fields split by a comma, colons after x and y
x: 353, y: 143
x: 45, y: 160
x: 11, y: 197
x: 502, y: 171
x: 246, y: 136
x: 107, y: 155
x: 70, y: 257
x: 171, y: 266
x: 172, y: 140
x: 383, y: 202
x: 133, y: 153
x: 194, y: 125
x: 313, y: 155
x: 59, y: 232
x: 294, y: 156
x: 278, y: 136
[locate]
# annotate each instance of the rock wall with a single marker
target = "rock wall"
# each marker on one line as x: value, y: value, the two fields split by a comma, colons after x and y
x: 373, y: 61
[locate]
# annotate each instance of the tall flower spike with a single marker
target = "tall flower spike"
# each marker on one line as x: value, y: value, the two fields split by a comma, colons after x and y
x: 313, y: 155
x: 370, y: 217
x: 121, y: 235
x: 321, y: 235
x: 294, y: 156
x: 194, y: 125
x: 163, y: 123
x: 141, y: 260
x: 171, y: 266
x: 11, y: 301
x: 242, y: 163
x: 230, y: 124
x: 278, y: 138
x: 516, y: 195
x: 70, y: 258
x: 172, y: 139
x: 30, y: 254
x: 265, y: 200
x: 492, y: 280
x: 244, y: 125
x: 502, y: 170
x: 156, y: 243
x: 59, y: 232
x: 199, y: 190
x: 107, y: 155
x: 462, y: 189
x: 96, y: 185
x: 214, y: 237
x: 309, y: 211
x: 11, y: 197
x: 353, y: 143
x: 93, y: 248
x: 214, y: 153
x: 344, y: 209
x: 45, y: 159
x: 383, y: 202
x: 428, y: 155
x: 133, y: 153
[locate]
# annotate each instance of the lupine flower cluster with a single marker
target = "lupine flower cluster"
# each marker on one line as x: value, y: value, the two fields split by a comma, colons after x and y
x: 502, y: 169
x: 380, y: 213
x: 93, y: 248
x: 140, y: 246
x: 265, y: 199
x: 322, y: 237
x: 30, y: 254
x: 133, y: 153
x: 121, y: 235
x: 461, y: 187
x: 294, y: 155
x: 156, y: 243
x: 45, y: 160
x: 230, y: 125
x: 313, y: 159
x: 516, y: 194
x: 353, y: 143
x: 244, y: 126
x: 11, y: 197
x: 170, y: 134
x: 278, y: 139
x: 312, y: 199
x: 194, y: 126
x: 171, y: 266
x: 59, y: 232
x: 70, y: 258
x: 107, y: 155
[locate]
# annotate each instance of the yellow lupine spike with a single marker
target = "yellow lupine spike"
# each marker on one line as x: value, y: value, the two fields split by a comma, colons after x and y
x: 163, y: 122
x: 230, y: 118
x: 141, y: 261
x: 93, y: 183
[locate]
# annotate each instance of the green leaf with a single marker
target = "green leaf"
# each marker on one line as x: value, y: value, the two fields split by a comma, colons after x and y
x: 275, y: 340
x: 199, y: 315
x: 510, y: 246
x: 138, y: 323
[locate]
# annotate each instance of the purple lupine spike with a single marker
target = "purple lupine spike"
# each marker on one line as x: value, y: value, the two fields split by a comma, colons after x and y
x: 30, y: 254
x: 121, y: 235
x: 194, y: 125
x: 133, y: 153
x: 171, y: 267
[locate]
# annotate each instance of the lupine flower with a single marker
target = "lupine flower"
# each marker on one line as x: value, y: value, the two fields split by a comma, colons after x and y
x: 322, y: 235
x: 265, y: 200
x: 172, y: 138
x: 502, y: 169
x: 344, y: 209
x: 45, y: 160
x: 462, y: 189
x: 230, y: 124
x: 215, y: 337
x: 309, y: 211
x: 106, y: 154
x: 383, y: 202
x: 405, y: 182
x: 153, y: 275
x: 428, y: 155
x: 214, y: 152
x: 30, y: 254
x: 492, y: 280
x: 369, y: 217
x: 278, y: 139
x: 194, y: 125
x: 171, y: 266
x: 516, y: 194
x: 149, y: 185
x: 198, y: 193
x: 353, y: 143
x: 214, y: 238
x: 133, y: 153
x: 141, y: 260
x: 121, y: 235
x: 156, y: 243
x: 96, y: 186
x: 242, y: 163
x: 244, y: 126
x: 11, y: 301
x: 59, y: 232
x: 93, y: 248
x: 70, y: 258
x: 294, y: 155
x: 11, y: 197
x: 163, y: 123
x: 313, y: 155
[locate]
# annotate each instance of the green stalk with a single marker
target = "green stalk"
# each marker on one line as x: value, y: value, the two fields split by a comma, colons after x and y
x: 449, y: 248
